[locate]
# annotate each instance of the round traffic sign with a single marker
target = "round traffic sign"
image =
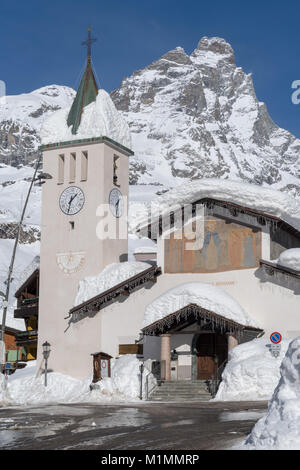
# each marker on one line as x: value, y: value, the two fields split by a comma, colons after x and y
x: 276, y: 338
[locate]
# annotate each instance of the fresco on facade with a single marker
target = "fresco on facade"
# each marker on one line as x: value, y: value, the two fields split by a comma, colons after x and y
x: 226, y: 246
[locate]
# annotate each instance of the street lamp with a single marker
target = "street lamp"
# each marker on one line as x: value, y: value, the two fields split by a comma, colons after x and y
x: 141, y: 385
x: 46, y: 354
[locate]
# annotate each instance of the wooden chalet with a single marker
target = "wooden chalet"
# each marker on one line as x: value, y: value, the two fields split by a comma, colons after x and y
x: 27, y: 308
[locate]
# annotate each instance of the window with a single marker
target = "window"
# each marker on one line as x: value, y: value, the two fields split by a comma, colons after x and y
x: 61, y: 168
x: 72, y: 167
x: 84, y: 166
x: 115, y: 171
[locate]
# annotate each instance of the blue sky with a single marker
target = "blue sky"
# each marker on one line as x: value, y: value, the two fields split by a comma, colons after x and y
x: 41, y: 42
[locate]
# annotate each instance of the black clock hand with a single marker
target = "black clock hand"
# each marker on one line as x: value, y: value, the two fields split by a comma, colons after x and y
x: 117, y: 207
x: 71, y: 200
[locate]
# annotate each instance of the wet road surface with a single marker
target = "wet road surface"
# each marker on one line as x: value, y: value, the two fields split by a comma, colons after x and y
x: 147, y: 426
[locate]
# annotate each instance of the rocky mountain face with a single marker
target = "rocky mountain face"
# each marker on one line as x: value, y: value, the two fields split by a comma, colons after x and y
x: 21, y: 118
x: 197, y: 115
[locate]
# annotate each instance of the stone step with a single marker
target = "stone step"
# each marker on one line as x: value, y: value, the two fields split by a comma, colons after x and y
x: 180, y: 400
x: 181, y: 391
x: 166, y: 387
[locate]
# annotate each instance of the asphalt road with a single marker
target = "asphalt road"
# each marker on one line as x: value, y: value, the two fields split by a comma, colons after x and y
x: 147, y: 426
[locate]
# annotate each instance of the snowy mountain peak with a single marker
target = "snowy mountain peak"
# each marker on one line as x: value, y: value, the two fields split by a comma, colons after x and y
x: 195, y: 116
x: 55, y: 91
x: 217, y: 46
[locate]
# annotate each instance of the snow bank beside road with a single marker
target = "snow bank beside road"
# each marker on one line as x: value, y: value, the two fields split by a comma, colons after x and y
x: 2, y: 388
x: 252, y: 373
x: 280, y: 428
x: 124, y: 385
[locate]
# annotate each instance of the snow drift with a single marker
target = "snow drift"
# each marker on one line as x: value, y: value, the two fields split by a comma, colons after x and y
x: 99, y: 118
x: 112, y: 275
x: 280, y: 428
x: 252, y: 373
x: 25, y: 388
x: 290, y: 259
x: 205, y: 295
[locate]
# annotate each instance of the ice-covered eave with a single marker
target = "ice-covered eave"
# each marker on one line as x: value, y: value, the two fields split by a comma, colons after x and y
x: 271, y: 268
x: 124, y: 288
x: 154, y: 226
x: 193, y: 312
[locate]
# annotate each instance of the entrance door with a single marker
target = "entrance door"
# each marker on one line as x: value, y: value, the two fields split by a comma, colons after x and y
x: 205, y: 367
x: 211, y: 352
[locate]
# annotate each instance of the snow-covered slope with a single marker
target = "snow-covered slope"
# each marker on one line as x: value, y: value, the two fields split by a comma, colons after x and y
x: 14, y: 184
x: 21, y: 119
x: 197, y: 115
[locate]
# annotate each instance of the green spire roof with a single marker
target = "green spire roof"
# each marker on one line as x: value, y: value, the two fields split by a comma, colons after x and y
x: 86, y: 94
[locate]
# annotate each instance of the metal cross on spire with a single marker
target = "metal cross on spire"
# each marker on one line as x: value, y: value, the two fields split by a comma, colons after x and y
x: 88, y: 43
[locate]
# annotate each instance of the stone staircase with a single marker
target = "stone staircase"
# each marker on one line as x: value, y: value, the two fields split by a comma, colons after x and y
x: 181, y: 391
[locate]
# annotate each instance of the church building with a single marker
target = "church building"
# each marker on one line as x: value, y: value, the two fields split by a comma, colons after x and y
x: 217, y: 280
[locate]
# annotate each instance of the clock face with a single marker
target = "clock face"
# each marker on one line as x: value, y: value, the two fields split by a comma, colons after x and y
x: 116, y: 202
x: 71, y: 200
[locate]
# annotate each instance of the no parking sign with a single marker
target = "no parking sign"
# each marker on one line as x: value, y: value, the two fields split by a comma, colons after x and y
x: 275, y: 339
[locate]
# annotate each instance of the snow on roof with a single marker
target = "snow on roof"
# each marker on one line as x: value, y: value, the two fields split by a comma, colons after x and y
x: 28, y: 271
x: 290, y: 259
x: 206, y: 296
x: 110, y: 277
x: 145, y: 249
x: 271, y: 202
x: 100, y: 118
x: 279, y: 429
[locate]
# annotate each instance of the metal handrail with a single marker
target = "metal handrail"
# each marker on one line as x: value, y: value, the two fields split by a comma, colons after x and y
x: 215, y: 382
x: 147, y: 387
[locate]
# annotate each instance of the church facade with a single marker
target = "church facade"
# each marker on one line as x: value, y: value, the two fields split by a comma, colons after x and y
x: 183, y: 313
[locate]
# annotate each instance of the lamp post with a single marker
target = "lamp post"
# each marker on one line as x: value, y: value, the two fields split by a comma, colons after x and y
x: 141, y: 385
x: 46, y: 354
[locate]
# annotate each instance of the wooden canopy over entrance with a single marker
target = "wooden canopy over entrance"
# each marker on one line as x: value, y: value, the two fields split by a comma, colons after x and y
x: 205, y: 318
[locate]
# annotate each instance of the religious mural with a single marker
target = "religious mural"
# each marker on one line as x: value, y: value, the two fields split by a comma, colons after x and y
x: 226, y: 246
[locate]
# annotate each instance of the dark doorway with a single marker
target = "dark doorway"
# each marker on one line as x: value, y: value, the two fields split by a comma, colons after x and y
x: 211, y: 352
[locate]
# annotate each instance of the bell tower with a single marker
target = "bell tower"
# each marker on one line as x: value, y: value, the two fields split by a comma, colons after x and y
x: 90, y: 179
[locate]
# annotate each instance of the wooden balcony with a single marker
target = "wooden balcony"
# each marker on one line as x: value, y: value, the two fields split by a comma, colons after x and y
x: 27, y: 337
x: 28, y: 308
